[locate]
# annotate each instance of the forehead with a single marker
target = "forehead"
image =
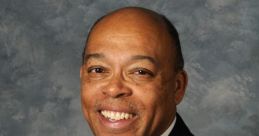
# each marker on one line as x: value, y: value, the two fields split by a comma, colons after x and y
x: 133, y: 33
x: 118, y: 41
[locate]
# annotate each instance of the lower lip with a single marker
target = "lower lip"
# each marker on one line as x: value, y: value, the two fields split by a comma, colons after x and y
x: 116, y: 124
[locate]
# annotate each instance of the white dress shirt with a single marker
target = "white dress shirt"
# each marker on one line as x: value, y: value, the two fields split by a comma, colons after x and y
x: 167, y: 132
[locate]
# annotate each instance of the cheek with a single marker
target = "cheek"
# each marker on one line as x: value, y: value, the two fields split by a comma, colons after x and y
x: 85, y: 101
x: 150, y: 96
x: 88, y: 92
x: 154, y: 101
x: 91, y: 92
x: 156, y: 97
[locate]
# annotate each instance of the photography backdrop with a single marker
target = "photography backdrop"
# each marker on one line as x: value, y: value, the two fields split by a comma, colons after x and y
x: 41, y: 43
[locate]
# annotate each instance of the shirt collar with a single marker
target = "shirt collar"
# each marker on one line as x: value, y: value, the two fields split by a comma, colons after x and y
x: 167, y: 132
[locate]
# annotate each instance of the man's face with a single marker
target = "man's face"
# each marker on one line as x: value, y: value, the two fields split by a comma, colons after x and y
x: 128, y: 80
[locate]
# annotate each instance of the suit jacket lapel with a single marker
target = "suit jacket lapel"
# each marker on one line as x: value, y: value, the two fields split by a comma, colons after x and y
x: 180, y: 129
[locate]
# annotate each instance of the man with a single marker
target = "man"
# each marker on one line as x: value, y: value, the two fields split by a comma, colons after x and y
x: 132, y: 75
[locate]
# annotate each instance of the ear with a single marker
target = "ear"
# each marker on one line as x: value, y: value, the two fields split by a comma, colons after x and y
x: 180, y: 86
x: 81, y: 72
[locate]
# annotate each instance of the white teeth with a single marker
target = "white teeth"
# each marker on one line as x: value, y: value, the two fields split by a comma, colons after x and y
x: 116, y: 115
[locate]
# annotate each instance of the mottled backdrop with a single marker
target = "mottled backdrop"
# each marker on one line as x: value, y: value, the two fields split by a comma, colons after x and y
x: 41, y: 42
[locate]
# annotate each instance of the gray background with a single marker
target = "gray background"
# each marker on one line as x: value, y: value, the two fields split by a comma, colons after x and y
x: 41, y: 42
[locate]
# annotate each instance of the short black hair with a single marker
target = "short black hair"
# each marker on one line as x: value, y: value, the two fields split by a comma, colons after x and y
x: 174, y: 35
x: 179, y: 64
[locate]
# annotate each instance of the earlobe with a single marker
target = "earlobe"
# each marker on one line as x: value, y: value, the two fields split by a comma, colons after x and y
x: 180, y: 86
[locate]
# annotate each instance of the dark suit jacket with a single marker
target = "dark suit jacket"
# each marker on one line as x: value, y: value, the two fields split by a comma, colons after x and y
x: 180, y: 129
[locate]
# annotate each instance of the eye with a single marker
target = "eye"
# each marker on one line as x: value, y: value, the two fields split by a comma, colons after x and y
x: 97, y: 72
x: 96, y: 69
x: 143, y: 72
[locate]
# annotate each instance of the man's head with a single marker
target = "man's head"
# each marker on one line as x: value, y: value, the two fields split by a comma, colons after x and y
x: 132, y: 75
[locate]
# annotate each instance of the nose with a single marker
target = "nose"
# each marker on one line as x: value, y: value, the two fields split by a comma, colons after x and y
x: 116, y: 88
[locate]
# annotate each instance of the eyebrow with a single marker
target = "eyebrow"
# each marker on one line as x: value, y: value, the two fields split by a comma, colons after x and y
x: 136, y: 57
x: 94, y: 55
x: 142, y: 57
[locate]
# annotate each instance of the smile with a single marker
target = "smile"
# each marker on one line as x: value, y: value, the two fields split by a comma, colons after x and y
x: 112, y: 115
x: 118, y: 120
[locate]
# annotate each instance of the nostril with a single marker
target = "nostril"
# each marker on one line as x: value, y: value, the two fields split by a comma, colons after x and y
x: 117, y: 92
x: 120, y: 95
x: 116, y: 89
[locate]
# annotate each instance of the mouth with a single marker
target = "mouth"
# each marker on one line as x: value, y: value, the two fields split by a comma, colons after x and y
x: 117, y: 120
x: 116, y: 116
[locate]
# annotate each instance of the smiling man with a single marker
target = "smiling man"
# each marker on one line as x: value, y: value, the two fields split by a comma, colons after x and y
x: 132, y: 75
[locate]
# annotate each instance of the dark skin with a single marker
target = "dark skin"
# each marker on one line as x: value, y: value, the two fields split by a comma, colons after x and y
x: 130, y: 67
